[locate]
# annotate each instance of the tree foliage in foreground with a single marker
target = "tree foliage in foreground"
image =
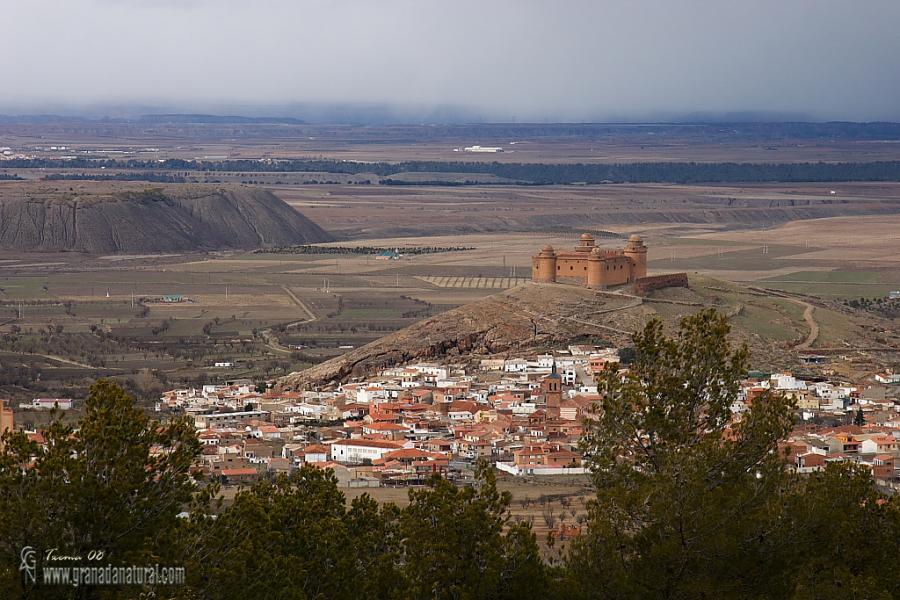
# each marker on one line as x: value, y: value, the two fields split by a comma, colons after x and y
x: 295, y: 538
x: 113, y: 485
x: 691, y: 504
x: 117, y: 482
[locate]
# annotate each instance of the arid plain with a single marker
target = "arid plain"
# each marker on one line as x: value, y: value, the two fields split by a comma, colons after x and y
x: 268, y: 313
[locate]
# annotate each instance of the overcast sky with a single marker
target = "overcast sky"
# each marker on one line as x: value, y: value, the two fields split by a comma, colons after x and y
x: 503, y: 59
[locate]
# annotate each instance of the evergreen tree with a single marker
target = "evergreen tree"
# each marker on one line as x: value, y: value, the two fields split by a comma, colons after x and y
x: 115, y: 484
x: 837, y: 536
x: 291, y: 538
x: 693, y: 503
x: 685, y: 499
x: 459, y: 543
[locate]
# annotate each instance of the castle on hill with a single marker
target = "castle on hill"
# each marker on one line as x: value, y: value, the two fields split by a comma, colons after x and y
x: 590, y: 265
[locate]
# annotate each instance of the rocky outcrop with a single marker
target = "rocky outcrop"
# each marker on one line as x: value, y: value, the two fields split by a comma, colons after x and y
x: 538, y: 317
x: 138, y: 219
x: 527, y: 317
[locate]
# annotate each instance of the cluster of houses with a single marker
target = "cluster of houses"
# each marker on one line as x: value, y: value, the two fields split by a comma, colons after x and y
x: 838, y: 422
x: 524, y: 415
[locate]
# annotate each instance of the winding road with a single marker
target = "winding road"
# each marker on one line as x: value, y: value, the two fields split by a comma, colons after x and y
x: 271, y: 341
x: 808, y: 310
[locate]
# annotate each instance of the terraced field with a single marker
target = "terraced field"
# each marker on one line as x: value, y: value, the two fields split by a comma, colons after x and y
x: 493, y: 283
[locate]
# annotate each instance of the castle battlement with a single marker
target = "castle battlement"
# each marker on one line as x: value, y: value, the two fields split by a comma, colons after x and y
x: 590, y: 265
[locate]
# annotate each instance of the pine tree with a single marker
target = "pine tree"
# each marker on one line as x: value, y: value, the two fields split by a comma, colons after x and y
x: 685, y: 497
x: 113, y: 484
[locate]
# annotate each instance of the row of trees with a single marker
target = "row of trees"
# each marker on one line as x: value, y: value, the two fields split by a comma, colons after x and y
x: 887, y: 307
x: 314, y: 249
x: 151, y: 176
x: 688, y: 505
x: 528, y: 173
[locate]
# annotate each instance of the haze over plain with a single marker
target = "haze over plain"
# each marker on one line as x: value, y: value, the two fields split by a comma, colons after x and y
x: 502, y: 60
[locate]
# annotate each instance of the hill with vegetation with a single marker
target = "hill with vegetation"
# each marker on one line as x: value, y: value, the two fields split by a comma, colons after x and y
x: 777, y: 327
x: 131, y: 218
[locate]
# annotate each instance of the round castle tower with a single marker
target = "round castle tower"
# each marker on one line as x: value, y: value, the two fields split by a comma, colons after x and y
x: 637, y: 252
x: 543, y: 266
x: 585, y: 243
x: 595, y: 274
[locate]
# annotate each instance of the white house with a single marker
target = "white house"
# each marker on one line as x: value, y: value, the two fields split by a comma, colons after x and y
x: 356, y: 451
x: 888, y: 378
x: 49, y: 404
x: 545, y: 361
x: 432, y: 373
x: 879, y: 444
x: 828, y: 391
x: 370, y: 394
x: 515, y: 365
x: 786, y: 381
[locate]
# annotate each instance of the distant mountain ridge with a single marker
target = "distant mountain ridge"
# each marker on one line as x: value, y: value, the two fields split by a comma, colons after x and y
x: 217, y: 119
x: 128, y: 218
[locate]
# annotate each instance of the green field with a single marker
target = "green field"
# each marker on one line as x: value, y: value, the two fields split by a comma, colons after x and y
x: 837, y: 283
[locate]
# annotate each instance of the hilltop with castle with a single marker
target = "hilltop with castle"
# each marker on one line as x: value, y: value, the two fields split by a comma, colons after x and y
x: 590, y: 265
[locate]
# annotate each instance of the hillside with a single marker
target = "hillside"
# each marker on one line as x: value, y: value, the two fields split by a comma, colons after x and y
x: 775, y: 326
x: 135, y: 218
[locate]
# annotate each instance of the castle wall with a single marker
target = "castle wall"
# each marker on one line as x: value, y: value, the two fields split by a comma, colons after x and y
x: 590, y: 265
x: 644, y: 285
x: 616, y: 270
x: 613, y: 270
x: 572, y: 268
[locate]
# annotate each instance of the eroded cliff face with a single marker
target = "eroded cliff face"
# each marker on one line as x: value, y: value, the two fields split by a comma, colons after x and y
x: 142, y: 219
